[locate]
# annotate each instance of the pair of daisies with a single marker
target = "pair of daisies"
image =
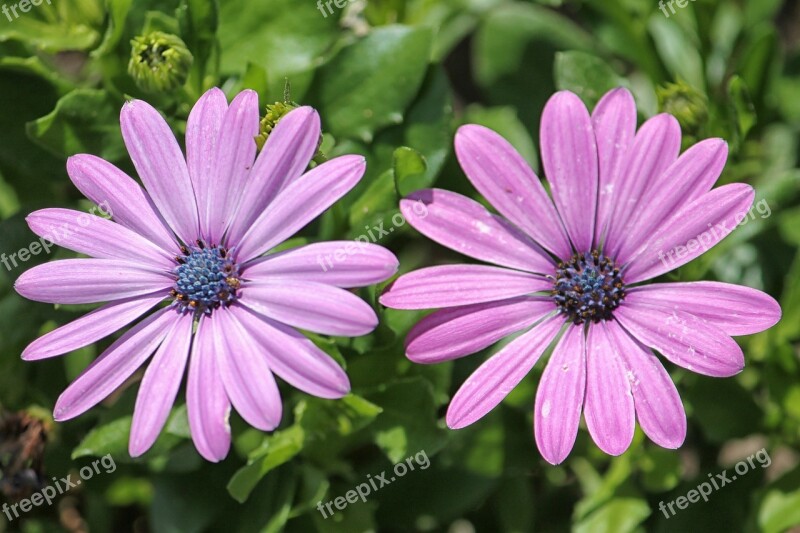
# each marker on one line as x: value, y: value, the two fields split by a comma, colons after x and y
x: 187, y: 259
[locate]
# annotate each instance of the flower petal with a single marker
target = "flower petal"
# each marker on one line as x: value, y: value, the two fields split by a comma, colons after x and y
x: 207, y: 404
x: 609, y: 411
x: 684, y: 339
x: 734, y: 309
x: 121, y: 197
x: 284, y: 158
x: 614, y: 124
x: 97, y: 237
x: 658, y: 405
x: 703, y: 222
x: 203, y: 130
x: 503, y: 177
x: 339, y: 263
x: 300, y: 203
x: 569, y: 158
x: 465, y: 226
x: 498, y: 376
x: 456, y: 285
x: 114, y: 366
x: 92, y: 327
x: 312, y: 306
x: 160, y: 385
x: 86, y: 281
x: 293, y: 357
x: 158, y: 160
x: 560, y: 396
x: 459, y: 331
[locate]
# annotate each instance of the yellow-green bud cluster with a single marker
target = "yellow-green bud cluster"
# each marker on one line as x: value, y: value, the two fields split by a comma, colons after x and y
x: 160, y: 62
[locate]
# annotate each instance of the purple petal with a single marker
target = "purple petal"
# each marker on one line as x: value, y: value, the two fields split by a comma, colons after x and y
x: 158, y: 160
x: 609, y: 412
x: 294, y: 357
x: 339, y: 263
x: 614, y: 124
x: 697, y: 227
x: 247, y: 378
x: 734, y: 309
x: 284, y: 158
x: 160, y: 385
x: 97, y: 237
x: 658, y: 405
x: 569, y: 157
x: 121, y: 197
x: 207, y: 404
x: 92, y: 327
x: 655, y: 148
x: 114, y: 366
x: 236, y: 153
x: 503, y: 177
x: 688, y: 178
x: 301, y: 202
x: 498, y: 376
x: 86, y: 281
x: 312, y: 306
x: 459, y: 331
x: 684, y: 339
x: 456, y: 285
x: 202, y: 137
x: 465, y: 226
x: 559, y: 398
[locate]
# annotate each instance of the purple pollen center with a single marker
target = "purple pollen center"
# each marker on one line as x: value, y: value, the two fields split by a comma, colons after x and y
x: 206, y: 278
x: 588, y: 287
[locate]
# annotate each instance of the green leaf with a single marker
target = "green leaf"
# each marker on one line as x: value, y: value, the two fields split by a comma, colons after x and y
x: 409, y: 166
x: 677, y: 50
x: 586, y: 75
x: 619, y: 515
x: 46, y: 29
x: 117, y: 13
x: 109, y: 438
x: 779, y: 511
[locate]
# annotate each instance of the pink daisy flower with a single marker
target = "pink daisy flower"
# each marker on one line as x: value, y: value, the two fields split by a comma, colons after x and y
x: 195, y: 238
x: 626, y: 208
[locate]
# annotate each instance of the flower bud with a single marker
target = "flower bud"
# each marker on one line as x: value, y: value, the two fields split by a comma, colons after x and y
x: 160, y: 62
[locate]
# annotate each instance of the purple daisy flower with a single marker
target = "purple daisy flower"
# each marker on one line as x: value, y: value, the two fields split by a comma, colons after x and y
x: 628, y: 208
x: 195, y: 237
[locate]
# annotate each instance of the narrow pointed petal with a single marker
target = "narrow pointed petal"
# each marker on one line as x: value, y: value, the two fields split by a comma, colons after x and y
x: 655, y: 147
x: 92, y: 327
x: 569, y: 158
x: 207, y: 404
x: 203, y: 129
x: 734, y: 309
x: 114, y: 366
x: 161, y: 166
x: 284, y: 158
x: 684, y: 339
x: 299, y: 203
x: 97, y: 237
x: 560, y: 396
x: 658, y: 405
x: 121, y: 197
x: 247, y: 378
x: 312, y: 306
x: 467, y: 227
x: 160, y: 385
x: 87, y: 281
x: 459, y: 331
x: 293, y: 357
x: 456, y: 285
x: 704, y: 222
x: 609, y: 410
x: 235, y: 155
x: 344, y: 264
x: 504, y: 178
x: 498, y: 376
x: 614, y: 124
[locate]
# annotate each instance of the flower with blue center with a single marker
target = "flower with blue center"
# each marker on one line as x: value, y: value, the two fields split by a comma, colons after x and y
x: 191, y: 253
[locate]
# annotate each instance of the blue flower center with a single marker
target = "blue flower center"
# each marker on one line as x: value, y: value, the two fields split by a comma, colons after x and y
x: 207, y: 278
x: 588, y: 287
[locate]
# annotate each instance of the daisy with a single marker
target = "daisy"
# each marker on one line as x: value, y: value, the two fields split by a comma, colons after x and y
x: 187, y: 250
x: 626, y: 208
